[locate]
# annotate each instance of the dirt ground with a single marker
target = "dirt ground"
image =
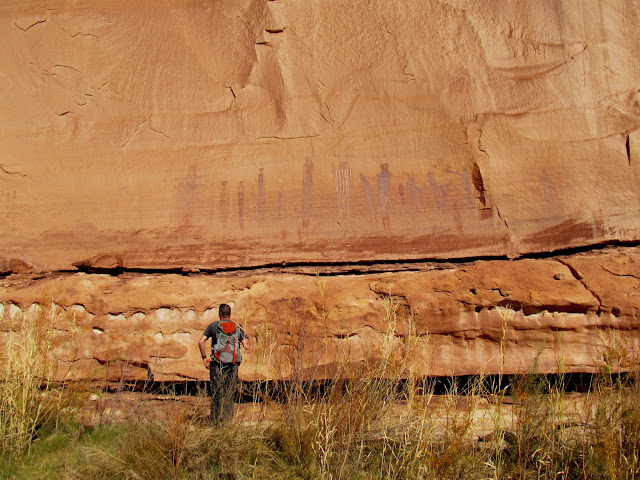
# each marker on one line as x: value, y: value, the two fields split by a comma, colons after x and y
x: 482, y: 414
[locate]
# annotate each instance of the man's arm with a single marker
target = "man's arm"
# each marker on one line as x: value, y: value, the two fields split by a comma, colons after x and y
x: 206, y: 360
x: 244, y: 339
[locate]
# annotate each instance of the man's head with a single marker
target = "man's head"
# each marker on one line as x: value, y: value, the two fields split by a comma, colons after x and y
x: 224, y: 311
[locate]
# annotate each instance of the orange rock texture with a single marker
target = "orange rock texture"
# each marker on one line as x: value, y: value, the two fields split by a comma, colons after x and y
x: 205, y: 135
x: 571, y: 314
x: 150, y: 138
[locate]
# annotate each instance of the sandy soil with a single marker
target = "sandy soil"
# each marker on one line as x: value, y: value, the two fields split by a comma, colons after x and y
x: 482, y: 414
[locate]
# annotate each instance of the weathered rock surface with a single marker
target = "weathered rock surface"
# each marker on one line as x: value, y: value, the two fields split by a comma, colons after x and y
x: 249, y: 132
x: 484, y: 317
x: 154, y: 139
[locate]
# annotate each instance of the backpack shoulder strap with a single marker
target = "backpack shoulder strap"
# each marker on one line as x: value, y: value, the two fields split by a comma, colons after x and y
x: 228, y: 327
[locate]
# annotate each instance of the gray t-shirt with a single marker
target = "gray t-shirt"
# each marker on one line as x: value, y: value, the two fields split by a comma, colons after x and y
x: 210, y: 332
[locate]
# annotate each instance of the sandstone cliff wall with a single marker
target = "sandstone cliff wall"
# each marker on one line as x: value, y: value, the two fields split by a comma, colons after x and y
x: 190, y: 134
x: 571, y: 314
x: 148, y: 138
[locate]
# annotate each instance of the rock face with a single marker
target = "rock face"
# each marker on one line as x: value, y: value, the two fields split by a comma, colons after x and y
x: 148, y: 139
x: 571, y: 314
x: 251, y: 132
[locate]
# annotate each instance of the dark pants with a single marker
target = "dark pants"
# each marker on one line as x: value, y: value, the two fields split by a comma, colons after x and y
x: 223, y: 386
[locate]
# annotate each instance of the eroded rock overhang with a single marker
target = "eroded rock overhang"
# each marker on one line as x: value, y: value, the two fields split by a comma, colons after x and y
x: 576, y: 313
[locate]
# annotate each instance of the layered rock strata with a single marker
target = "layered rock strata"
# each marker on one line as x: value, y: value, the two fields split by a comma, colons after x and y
x: 146, y: 148
x: 177, y: 134
x: 572, y: 314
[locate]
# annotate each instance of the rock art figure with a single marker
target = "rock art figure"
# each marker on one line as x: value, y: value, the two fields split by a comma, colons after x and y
x: 368, y: 194
x: 457, y: 218
x: 384, y: 186
x: 261, y: 197
x: 547, y: 190
x: 187, y: 188
x: 211, y: 202
x: 224, y: 202
x: 342, y: 180
x: 241, y: 205
x: 439, y: 191
x: 280, y: 213
x: 416, y: 193
x: 467, y: 183
x: 7, y: 198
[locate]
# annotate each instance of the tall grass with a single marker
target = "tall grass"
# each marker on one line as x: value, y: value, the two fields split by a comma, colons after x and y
x: 615, y: 420
x: 167, y: 446
x: 374, y: 418
x: 28, y: 400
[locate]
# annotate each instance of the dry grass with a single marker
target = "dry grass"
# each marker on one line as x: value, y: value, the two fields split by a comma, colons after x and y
x: 374, y: 419
x: 172, y: 447
x: 28, y: 400
x: 371, y: 419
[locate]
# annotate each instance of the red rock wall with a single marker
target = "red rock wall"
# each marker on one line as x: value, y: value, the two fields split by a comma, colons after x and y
x: 199, y: 135
x: 571, y: 314
x: 152, y: 137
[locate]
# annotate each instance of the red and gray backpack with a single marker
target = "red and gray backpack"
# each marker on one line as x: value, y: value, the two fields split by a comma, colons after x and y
x: 227, y: 346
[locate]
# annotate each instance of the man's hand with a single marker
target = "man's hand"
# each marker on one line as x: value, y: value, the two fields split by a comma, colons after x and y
x: 206, y: 360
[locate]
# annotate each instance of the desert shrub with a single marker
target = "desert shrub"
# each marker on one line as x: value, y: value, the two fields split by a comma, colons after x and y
x: 176, y: 445
x: 372, y: 419
x: 616, y: 442
x: 28, y: 399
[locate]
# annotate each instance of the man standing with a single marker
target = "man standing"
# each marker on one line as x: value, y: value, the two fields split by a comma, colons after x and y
x: 226, y: 339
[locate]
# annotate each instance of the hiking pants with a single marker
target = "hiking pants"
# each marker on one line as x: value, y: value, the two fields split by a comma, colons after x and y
x: 223, y: 386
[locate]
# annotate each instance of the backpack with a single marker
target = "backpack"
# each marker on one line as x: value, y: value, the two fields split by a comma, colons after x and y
x: 227, y: 346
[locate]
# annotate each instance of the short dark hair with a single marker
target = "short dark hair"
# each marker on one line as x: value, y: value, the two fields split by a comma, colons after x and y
x: 224, y: 311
